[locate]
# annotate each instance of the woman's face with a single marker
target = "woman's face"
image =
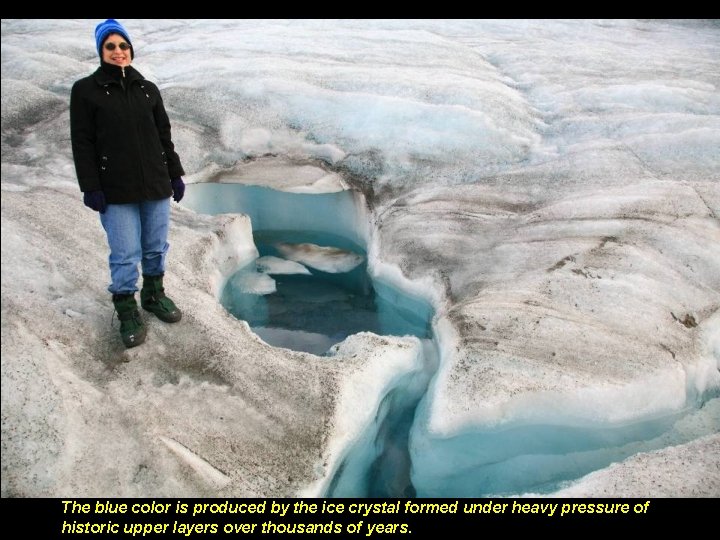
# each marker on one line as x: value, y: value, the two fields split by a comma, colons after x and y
x: 117, y: 56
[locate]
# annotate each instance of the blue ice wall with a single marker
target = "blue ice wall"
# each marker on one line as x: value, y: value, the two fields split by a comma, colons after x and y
x: 272, y: 210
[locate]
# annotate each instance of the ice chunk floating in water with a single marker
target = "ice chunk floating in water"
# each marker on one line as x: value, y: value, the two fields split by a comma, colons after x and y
x: 276, y: 265
x: 328, y: 259
x: 310, y: 288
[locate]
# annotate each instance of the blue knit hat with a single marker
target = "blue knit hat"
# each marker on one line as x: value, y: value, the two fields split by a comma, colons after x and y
x: 111, y: 26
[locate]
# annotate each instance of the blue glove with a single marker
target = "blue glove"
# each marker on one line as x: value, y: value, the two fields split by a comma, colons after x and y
x: 95, y: 200
x: 178, y: 187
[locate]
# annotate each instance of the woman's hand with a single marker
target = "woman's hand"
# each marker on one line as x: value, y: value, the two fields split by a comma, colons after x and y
x: 178, y: 187
x: 95, y: 200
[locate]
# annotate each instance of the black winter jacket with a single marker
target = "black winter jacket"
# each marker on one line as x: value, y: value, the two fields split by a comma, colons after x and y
x: 121, y: 138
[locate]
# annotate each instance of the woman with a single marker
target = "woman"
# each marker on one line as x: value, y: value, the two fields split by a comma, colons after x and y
x: 127, y: 169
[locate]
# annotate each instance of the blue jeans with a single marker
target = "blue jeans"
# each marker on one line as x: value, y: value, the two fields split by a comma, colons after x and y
x: 136, y: 233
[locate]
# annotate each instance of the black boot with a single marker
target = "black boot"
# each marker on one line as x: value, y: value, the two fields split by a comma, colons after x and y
x: 153, y: 299
x: 132, y: 327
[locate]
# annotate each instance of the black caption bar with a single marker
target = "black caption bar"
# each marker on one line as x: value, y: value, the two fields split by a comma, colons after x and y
x: 342, y: 518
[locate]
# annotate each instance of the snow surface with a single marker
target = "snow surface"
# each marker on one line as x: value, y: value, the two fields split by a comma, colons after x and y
x: 551, y: 186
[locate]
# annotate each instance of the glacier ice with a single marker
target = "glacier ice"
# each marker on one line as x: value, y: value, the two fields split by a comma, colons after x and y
x: 550, y: 187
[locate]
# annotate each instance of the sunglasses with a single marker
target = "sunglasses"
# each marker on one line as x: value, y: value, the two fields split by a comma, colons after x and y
x: 111, y: 46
